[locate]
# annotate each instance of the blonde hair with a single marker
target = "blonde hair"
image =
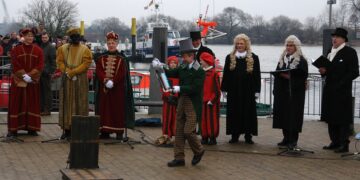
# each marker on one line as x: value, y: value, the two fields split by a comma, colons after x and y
x: 249, y: 59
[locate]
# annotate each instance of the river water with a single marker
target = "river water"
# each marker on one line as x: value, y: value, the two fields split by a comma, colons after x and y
x: 269, y: 55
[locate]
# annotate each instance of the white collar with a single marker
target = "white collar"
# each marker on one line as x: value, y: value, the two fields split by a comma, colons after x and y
x: 191, y: 64
x: 240, y: 54
x: 197, y: 48
x: 334, y: 51
x: 208, y: 68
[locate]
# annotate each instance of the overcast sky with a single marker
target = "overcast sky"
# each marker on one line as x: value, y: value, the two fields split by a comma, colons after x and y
x: 90, y: 10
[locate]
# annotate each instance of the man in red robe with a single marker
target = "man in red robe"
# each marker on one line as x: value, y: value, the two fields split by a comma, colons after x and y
x: 211, y: 101
x: 27, y: 60
x: 116, y: 108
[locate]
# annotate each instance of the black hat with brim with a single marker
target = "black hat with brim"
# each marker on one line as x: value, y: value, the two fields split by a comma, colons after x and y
x: 186, y: 46
x: 195, y: 35
x: 341, y: 33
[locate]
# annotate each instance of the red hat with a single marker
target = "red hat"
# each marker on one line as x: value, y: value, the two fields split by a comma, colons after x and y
x: 172, y: 59
x: 26, y: 31
x: 112, y: 35
x: 208, y: 58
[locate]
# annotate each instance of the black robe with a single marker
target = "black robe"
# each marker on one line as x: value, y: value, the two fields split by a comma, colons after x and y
x: 241, y: 87
x: 337, y: 95
x: 289, y: 109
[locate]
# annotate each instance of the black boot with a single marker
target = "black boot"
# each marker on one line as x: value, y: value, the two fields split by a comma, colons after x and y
x: 104, y: 135
x: 68, y: 134
x: 212, y: 141
x: 204, y: 141
x: 234, y: 138
x: 197, y: 158
x: 342, y: 149
x: 176, y: 163
x: 331, y: 146
x: 283, y: 143
x: 119, y: 136
x: 32, y: 133
x: 12, y: 134
x: 248, y: 139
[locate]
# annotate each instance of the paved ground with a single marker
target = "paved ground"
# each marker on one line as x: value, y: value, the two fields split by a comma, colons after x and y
x: 35, y: 160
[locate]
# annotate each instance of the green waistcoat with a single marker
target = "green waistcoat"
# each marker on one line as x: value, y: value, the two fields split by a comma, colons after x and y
x: 191, y: 84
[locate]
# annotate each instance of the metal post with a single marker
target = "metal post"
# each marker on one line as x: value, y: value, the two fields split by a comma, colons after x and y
x: 159, y: 44
x: 330, y: 12
x: 330, y: 3
x: 133, y: 38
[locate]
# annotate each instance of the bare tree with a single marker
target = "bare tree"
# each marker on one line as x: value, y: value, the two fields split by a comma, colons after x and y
x: 100, y: 27
x: 312, y: 31
x: 231, y: 20
x: 57, y: 15
x: 282, y: 26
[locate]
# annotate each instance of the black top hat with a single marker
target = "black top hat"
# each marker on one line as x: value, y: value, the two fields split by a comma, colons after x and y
x: 195, y: 35
x: 341, y: 33
x: 186, y: 46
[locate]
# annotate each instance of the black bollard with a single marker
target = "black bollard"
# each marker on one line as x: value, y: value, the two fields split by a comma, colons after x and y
x: 159, y: 44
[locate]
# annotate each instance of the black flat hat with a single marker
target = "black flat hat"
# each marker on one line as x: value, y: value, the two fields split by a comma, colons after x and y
x: 341, y: 33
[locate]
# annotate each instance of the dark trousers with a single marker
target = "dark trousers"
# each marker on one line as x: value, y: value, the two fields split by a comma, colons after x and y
x: 339, y: 133
x: 291, y: 137
x: 45, y: 93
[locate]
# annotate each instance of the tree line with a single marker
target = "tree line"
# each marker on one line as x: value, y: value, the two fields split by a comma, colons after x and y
x: 58, y: 15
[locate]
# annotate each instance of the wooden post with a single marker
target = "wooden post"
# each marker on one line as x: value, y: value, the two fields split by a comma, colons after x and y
x: 84, y: 144
x: 159, y: 44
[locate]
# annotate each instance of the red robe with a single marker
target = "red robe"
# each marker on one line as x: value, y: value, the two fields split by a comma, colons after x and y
x: 24, y: 103
x: 169, y: 111
x: 210, y: 113
x: 112, y: 101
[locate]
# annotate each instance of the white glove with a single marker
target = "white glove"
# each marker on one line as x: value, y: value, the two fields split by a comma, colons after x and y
x: 74, y: 78
x: 224, y: 94
x: 209, y: 103
x: 157, y: 64
x: 27, y: 78
x: 109, y: 84
x: 176, y: 89
x: 257, y: 95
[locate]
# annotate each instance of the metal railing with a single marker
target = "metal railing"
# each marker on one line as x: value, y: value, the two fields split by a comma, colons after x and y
x: 141, y: 91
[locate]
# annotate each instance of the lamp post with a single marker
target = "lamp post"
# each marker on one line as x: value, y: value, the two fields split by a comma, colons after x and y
x: 330, y: 2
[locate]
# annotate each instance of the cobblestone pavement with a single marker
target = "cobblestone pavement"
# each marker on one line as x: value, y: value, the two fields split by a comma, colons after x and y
x: 35, y: 160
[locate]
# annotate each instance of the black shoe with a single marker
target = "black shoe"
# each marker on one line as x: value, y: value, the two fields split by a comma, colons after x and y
x: 331, y: 146
x: 176, y: 163
x: 249, y: 141
x: 104, y: 135
x: 233, y: 140
x: 12, y: 134
x: 204, y: 141
x: 283, y: 143
x: 197, y: 158
x: 342, y: 149
x: 291, y: 146
x: 32, y: 133
x: 212, y: 141
x: 63, y: 136
x: 119, y: 136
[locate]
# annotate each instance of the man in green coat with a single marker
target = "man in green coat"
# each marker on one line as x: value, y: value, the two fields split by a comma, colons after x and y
x: 189, y: 107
